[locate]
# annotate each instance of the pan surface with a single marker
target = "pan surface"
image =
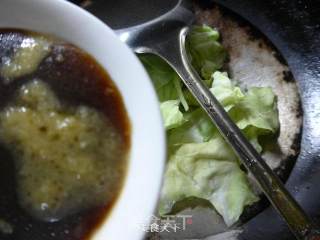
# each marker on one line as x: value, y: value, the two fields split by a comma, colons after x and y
x: 293, y: 27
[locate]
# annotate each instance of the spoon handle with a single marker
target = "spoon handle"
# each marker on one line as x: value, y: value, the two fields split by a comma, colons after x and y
x: 297, y: 220
x: 281, y: 199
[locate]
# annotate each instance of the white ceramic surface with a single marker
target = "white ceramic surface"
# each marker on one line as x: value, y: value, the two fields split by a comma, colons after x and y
x: 147, y: 157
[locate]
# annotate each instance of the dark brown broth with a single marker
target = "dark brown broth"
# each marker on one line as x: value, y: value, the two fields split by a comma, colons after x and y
x: 79, y: 80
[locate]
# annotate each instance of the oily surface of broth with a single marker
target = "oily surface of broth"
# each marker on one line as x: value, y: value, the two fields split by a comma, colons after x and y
x: 64, y: 139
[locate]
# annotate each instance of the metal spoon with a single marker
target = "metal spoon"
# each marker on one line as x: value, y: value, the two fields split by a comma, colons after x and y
x: 165, y: 36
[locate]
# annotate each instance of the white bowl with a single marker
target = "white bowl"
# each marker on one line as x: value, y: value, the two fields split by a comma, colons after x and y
x: 139, y: 196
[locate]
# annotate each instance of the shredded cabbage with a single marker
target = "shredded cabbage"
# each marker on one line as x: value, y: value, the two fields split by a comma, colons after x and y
x: 200, y: 163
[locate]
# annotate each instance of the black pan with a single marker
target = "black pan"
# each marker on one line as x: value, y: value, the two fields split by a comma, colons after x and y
x: 293, y: 26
